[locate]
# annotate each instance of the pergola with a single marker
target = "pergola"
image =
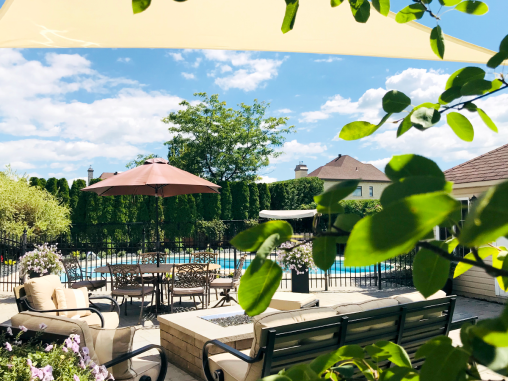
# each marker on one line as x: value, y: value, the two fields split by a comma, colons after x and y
x: 219, y: 24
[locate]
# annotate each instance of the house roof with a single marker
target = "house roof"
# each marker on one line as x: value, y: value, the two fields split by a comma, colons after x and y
x: 106, y: 175
x: 492, y: 165
x: 344, y: 167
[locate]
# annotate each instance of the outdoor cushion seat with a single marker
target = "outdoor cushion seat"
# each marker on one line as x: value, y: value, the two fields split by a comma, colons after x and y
x: 234, y: 369
x: 367, y: 305
x: 111, y: 320
x: 188, y: 291
x: 132, y: 291
x: 224, y: 282
x: 89, y: 284
x: 418, y: 297
x: 287, y: 301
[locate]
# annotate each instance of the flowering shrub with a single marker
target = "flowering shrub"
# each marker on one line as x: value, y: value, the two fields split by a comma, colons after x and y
x: 34, y: 361
x: 44, y: 259
x: 298, y: 259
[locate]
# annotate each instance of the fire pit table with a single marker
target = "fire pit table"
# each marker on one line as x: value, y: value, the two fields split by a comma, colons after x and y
x: 183, y: 335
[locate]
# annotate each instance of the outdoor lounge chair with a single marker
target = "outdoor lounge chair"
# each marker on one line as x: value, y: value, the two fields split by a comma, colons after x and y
x: 282, y: 337
x: 226, y: 284
x: 77, y: 278
x: 109, y: 347
x: 39, y: 295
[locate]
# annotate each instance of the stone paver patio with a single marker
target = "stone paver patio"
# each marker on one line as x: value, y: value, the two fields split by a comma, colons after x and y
x: 150, y: 333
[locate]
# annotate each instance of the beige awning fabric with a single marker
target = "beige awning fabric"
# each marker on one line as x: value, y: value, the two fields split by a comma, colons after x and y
x: 287, y: 214
x: 219, y: 24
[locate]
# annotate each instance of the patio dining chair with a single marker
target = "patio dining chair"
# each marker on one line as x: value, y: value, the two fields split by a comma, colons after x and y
x: 226, y: 284
x: 127, y: 283
x: 204, y: 257
x: 77, y: 278
x: 189, y: 279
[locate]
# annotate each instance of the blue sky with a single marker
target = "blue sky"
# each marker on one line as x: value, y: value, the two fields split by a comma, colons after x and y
x: 63, y: 110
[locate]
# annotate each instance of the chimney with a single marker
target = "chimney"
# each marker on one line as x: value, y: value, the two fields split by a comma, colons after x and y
x: 90, y: 174
x: 340, y: 155
x: 301, y: 170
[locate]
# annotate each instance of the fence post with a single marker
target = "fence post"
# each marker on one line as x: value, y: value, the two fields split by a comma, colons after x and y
x: 379, y: 287
x: 23, y: 243
x: 143, y: 245
x: 234, y: 261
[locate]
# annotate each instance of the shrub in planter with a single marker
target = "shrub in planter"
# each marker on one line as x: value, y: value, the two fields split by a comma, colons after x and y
x: 31, y: 360
x: 43, y: 260
x: 299, y: 259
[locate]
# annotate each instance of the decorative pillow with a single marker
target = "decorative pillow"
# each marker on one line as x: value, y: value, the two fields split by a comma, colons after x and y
x: 72, y: 298
x: 111, y: 343
x: 39, y: 292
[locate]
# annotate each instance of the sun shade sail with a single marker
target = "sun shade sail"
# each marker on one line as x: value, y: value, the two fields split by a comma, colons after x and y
x: 287, y: 214
x: 219, y: 24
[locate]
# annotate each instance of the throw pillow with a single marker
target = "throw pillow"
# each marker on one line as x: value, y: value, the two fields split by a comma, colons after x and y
x: 72, y: 298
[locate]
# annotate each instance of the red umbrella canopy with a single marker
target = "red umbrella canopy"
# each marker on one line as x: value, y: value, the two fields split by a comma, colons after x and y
x: 155, y: 176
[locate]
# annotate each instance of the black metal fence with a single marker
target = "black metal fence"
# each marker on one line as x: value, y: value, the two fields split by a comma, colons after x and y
x: 101, y: 244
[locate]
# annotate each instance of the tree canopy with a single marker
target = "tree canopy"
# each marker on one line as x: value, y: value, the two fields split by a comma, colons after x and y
x: 221, y: 143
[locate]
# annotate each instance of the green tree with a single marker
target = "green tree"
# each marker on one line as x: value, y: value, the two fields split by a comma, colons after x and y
x: 211, y: 206
x: 265, y: 198
x: 199, y: 206
x: 52, y: 186
x: 42, y: 183
x: 75, y: 193
x: 63, y: 191
x: 221, y: 143
x: 279, y: 196
x: 93, y: 205
x: 253, y: 201
x: 226, y: 200
x: 139, y: 160
x: 34, y: 181
x: 240, y: 193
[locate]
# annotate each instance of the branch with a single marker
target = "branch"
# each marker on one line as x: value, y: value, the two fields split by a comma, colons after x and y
x: 476, y: 255
x: 442, y: 253
x: 427, y: 9
x: 475, y: 99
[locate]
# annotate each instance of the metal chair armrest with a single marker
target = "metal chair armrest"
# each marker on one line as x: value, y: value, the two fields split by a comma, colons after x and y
x: 457, y: 324
x: 227, y: 348
x: 30, y: 308
x: 127, y: 356
x: 113, y: 301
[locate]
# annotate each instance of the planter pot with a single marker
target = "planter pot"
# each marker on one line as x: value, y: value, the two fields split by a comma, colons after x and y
x: 300, y: 283
x: 33, y: 274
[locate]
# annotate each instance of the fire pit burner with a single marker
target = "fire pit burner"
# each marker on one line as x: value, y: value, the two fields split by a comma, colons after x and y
x: 229, y: 319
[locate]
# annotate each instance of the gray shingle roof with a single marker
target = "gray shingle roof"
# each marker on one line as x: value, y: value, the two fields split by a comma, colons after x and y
x: 347, y: 168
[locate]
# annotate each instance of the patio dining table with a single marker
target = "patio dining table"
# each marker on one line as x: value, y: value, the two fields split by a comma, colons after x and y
x: 152, y: 268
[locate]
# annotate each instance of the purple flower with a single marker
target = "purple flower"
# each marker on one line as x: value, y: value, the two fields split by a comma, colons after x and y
x: 8, y: 347
x: 9, y: 331
x: 23, y: 328
x: 43, y: 326
x: 82, y: 364
x: 75, y: 347
x: 86, y: 351
x: 48, y: 348
x: 65, y: 349
x: 76, y: 378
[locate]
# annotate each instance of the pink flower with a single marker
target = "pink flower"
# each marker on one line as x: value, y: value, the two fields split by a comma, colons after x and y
x: 75, y: 347
x: 43, y: 326
x: 48, y: 348
x: 76, y: 338
x: 23, y: 328
x: 8, y: 347
x: 65, y: 349
x: 82, y: 364
x: 76, y: 378
x: 9, y: 366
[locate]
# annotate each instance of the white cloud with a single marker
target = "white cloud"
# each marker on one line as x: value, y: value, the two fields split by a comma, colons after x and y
x: 70, y: 181
x: 380, y: 163
x: 197, y: 62
x: 328, y: 60
x: 188, y: 75
x: 293, y: 150
x: 176, y: 56
x: 266, y: 179
x: 248, y: 73
x: 284, y: 111
x: 124, y: 59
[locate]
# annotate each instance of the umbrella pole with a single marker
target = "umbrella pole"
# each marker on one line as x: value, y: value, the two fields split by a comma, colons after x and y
x: 157, y: 244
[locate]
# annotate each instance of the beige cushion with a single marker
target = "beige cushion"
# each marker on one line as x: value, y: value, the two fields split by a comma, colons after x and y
x: 366, y: 305
x: 39, y: 292
x: 277, y: 319
x: 89, y: 284
x: 188, y: 291
x: 417, y: 297
x: 111, y: 343
x: 58, y: 325
x: 111, y: 320
x: 234, y: 369
x: 146, y: 368
x: 71, y: 298
x: 287, y: 301
x: 133, y: 291
x: 224, y: 283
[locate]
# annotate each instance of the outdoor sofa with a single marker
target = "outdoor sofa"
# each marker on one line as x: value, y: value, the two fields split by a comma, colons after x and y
x: 285, y: 338
x: 109, y: 347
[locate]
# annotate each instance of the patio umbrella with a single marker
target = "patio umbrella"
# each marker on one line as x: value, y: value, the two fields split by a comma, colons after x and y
x: 154, y: 178
x: 220, y: 24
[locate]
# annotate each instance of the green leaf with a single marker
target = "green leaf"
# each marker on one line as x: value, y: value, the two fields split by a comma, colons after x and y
x: 139, y: 6
x: 472, y: 7
x: 480, y: 87
x: 410, y: 165
x: 328, y: 201
x: 464, y: 75
x: 252, y: 238
x: 382, y: 6
x: 276, y: 377
x: 395, y: 101
x: 503, y: 47
x: 325, y: 362
x: 392, y: 352
x: 461, y: 126
x: 406, y: 124
x: 396, y: 373
x: 256, y: 289
x: 495, y: 358
x: 488, y: 218
x: 360, y: 10
x: 450, y: 95
x: 424, y: 117
x: 499, y: 262
x: 430, y: 272
x: 346, y: 371
x: 336, y: 3
x: 346, y: 222
x: 471, y: 107
x: 301, y: 372
x: 264, y: 250
x: 449, y: 3
x: 357, y: 130
x: 430, y: 346
x: 324, y: 252
x: 397, y: 228
x: 437, y: 42
x: 290, y: 16
x: 486, y: 119
x: 410, y: 13
x: 483, y: 252
x: 413, y: 185
x: 497, y: 59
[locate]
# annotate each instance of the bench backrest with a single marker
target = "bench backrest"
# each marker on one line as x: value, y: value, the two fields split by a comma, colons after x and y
x: 409, y: 325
